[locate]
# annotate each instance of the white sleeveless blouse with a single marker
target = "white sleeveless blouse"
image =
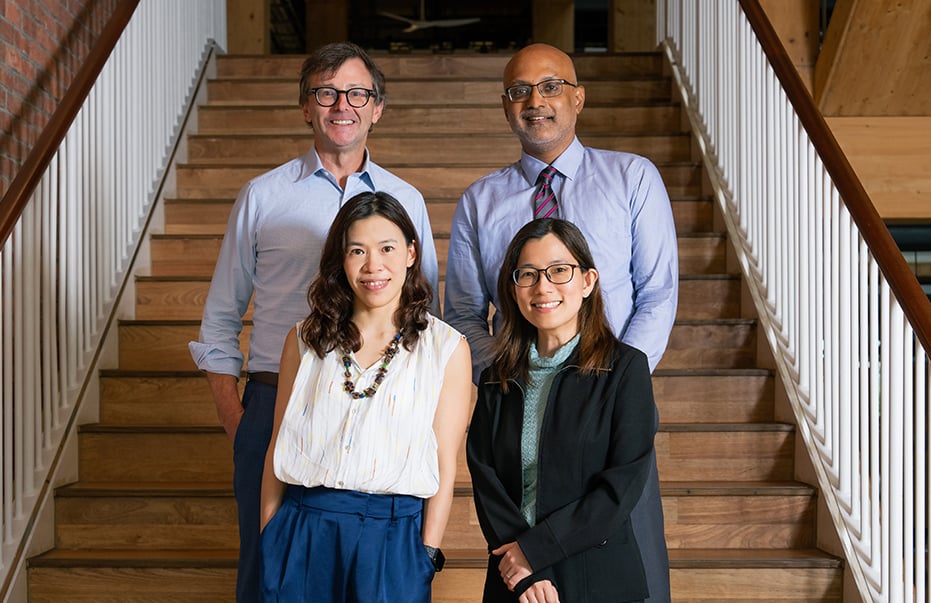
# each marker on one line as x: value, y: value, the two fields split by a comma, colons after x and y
x: 384, y: 444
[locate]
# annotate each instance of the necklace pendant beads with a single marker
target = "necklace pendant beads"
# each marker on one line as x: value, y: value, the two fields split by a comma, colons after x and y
x: 350, y: 387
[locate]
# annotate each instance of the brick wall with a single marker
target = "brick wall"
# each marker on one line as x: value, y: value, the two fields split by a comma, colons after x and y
x: 42, y: 45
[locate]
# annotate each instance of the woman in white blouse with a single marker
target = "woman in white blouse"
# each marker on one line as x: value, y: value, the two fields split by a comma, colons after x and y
x: 359, y: 475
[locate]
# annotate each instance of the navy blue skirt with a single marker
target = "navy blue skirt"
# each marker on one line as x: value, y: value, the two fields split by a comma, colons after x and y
x: 341, y: 546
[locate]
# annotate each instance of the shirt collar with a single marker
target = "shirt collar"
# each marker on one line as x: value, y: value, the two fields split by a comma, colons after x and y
x: 312, y: 166
x: 562, y: 354
x: 567, y: 164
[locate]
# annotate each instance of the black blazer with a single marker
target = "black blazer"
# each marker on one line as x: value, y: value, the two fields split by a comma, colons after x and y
x: 595, y: 451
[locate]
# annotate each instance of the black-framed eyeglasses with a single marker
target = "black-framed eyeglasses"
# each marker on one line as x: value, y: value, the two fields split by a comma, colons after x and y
x: 547, y: 89
x: 327, y: 96
x: 558, y: 274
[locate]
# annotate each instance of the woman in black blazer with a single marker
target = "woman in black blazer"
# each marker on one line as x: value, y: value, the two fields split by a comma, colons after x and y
x: 561, y: 438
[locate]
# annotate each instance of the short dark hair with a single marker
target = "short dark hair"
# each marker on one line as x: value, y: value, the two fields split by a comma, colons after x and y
x: 329, y: 324
x: 513, y: 339
x: 329, y: 58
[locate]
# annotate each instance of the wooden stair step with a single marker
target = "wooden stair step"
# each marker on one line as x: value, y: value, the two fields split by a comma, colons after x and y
x: 195, y: 516
x: 114, y: 516
x: 694, y: 344
x: 219, y: 180
x: 175, y: 298
x: 196, y: 255
x: 406, y: 92
x: 709, y: 575
x: 446, y: 119
x: 183, y: 298
x: 708, y: 296
x: 184, y: 398
x: 87, y: 576
x: 156, y: 398
x: 429, y: 149
x: 717, y: 452
x: 705, y: 344
x: 714, y: 396
x: 438, y: 67
x: 154, y: 453
x: 209, y: 216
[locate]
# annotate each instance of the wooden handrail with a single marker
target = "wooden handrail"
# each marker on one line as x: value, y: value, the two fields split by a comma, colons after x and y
x: 902, y: 281
x: 27, y: 178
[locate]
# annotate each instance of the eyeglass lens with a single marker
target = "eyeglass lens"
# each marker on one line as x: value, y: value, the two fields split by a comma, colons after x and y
x: 558, y: 274
x: 546, y: 88
x: 356, y: 97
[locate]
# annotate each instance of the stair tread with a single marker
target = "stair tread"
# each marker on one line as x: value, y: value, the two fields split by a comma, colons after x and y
x: 218, y: 236
x: 188, y: 322
x: 764, y: 426
x: 455, y: 558
x: 697, y: 372
x: 463, y: 488
x: 265, y: 166
x: 205, y: 278
x: 443, y: 137
x: 252, y: 106
x: 445, y: 200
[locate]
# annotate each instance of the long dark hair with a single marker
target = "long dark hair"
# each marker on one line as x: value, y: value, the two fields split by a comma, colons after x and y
x: 512, y: 342
x: 329, y: 325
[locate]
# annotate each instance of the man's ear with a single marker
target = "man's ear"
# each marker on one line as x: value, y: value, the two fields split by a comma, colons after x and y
x: 579, y: 98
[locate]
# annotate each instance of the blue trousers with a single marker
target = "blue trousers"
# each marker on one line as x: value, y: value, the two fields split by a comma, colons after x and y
x: 342, y: 546
x: 249, y: 446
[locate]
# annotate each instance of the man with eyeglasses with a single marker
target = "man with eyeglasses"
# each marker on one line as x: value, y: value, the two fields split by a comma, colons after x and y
x: 617, y: 200
x: 271, y: 252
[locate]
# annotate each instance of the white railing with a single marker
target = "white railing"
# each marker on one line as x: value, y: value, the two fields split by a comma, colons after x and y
x: 63, y: 266
x: 855, y: 371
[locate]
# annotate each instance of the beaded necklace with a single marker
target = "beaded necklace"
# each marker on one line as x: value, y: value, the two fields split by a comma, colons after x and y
x: 350, y: 387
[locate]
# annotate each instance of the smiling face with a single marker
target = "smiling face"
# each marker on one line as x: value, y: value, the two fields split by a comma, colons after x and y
x: 376, y: 261
x: 342, y: 128
x: 545, y: 126
x: 552, y: 309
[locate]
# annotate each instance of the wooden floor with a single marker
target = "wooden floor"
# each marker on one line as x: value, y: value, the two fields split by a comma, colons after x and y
x: 738, y: 525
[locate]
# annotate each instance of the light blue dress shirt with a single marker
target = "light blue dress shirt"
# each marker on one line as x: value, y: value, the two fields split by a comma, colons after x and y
x: 620, y: 204
x: 272, y: 249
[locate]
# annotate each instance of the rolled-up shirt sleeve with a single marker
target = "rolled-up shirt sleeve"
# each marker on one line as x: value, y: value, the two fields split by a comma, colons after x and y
x: 217, y: 349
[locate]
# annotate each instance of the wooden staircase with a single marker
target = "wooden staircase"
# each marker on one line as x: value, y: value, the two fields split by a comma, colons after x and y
x: 153, y: 516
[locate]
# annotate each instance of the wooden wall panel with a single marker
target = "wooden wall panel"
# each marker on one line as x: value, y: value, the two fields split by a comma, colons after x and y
x: 554, y: 23
x: 876, y: 59
x: 796, y: 22
x: 247, y: 24
x: 892, y: 157
x: 632, y: 26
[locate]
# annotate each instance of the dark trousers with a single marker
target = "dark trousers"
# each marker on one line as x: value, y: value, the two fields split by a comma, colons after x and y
x: 249, y: 447
x: 342, y: 546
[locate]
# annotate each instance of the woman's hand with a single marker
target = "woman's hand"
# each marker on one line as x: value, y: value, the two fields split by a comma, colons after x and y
x: 513, y: 566
x: 540, y: 592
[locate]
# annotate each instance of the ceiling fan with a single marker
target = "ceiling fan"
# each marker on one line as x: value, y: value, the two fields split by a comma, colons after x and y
x: 423, y: 23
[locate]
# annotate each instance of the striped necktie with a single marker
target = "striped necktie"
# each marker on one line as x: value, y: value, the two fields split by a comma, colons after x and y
x: 544, y: 201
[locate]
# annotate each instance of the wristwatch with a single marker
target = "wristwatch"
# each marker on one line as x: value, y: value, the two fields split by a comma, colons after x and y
x: 436, y: 556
